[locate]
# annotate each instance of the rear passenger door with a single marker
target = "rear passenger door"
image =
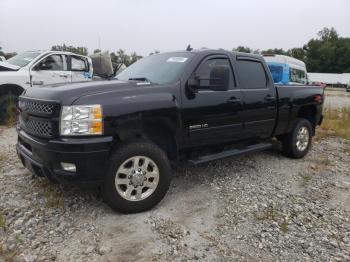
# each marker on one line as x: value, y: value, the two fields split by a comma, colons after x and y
x: 209, y: 116
x: 259, y: 97
x: 80, y: 68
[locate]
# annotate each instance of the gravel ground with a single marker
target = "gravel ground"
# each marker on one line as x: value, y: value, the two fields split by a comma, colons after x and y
x: 258, y: 207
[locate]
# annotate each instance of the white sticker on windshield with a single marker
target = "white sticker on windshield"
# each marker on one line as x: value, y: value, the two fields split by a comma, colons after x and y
x: 28, y: 59
x: 177, y: 59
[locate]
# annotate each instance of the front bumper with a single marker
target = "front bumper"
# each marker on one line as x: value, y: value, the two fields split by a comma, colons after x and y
x: 44, y: 157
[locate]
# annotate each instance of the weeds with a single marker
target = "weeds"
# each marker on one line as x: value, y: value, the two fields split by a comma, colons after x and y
x: 2, y: 222
x: 305, y: 179
x: 7, y: 255
x: 53, y: 195
x: 3, y: 158
x: 284, y: 227
x: 336, y: 122
x: 271, y: 213
x: 54, y: 198
x: 11, y: 111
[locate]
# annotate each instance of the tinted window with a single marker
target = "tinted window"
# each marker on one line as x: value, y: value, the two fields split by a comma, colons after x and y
x: 52, y: 63
x: 79, y: 64
x: 297, y: 76
x: 251, y: 74
x: 204, y: 70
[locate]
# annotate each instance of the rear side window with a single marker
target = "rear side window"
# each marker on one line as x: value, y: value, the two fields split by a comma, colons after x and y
x: 251, y: 74
x: 297, y: 76
x: 79, y: 64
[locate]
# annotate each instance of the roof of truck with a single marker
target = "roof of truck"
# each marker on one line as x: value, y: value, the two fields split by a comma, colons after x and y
x: 219, y: 51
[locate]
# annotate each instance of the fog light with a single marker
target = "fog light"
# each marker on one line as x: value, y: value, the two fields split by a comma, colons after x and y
x: 68, y: 167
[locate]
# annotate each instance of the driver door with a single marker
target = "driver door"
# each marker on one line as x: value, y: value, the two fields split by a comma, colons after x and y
x: 210, y: 116
x: 50, y: 70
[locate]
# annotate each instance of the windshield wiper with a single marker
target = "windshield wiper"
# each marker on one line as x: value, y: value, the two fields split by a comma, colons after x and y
x: 143, y: 79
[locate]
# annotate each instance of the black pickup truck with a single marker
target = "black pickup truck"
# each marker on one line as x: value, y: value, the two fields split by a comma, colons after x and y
x: 126, y: 134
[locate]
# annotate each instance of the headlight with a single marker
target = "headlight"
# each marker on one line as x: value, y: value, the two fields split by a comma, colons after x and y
x: 81, y: 120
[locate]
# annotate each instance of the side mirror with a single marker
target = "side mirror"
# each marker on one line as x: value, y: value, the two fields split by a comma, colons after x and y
x: 218, y: 80
x: 42, y: 66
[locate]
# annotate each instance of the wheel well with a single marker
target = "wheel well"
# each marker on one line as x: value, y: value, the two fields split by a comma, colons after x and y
x: 11, y: 88
x: 309, y: 113
x: 159, y: 134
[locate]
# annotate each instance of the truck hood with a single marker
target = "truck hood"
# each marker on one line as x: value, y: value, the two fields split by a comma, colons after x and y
x: 66, y: 94
x: 5, y: 66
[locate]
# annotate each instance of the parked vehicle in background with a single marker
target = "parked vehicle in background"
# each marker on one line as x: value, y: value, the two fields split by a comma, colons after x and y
x: 286, y: 70
x: 36, y: 69
x: 2, y: 58
x: 348, y: 88
x: 197, y: 106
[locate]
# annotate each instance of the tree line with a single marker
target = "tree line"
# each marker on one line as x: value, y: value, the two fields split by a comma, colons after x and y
x: 328, y: 53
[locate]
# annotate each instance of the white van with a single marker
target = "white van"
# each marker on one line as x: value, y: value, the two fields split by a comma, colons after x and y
x: 286, y: 70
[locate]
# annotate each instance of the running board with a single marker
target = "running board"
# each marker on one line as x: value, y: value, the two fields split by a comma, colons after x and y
x: 228, y: 153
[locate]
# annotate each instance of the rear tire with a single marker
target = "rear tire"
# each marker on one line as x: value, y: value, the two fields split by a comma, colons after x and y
x: 8, y: 103
x: 297, y: 143
x: 138, y: 177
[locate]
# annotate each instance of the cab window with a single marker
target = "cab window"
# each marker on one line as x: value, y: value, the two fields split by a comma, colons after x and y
x: 79, y: 64
x: 52, y: 63
x: 205, y: 69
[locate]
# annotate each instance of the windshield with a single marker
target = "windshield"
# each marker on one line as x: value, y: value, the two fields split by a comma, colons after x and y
x: 160, y: 68
x: 23, y: 59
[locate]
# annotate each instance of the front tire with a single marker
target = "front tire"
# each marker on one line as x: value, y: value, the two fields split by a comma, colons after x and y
x: 298, y: 142
x: 138, y: 177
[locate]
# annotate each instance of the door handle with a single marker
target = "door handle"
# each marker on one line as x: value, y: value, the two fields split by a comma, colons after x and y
x: 233, y: 100
x: 63, y: 75
x: 269, y: 98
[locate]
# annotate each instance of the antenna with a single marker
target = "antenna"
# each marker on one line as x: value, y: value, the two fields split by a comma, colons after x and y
x: 189, y: 48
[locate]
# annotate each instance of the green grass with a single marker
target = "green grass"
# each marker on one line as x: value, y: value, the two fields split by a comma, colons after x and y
x: 336, y: 122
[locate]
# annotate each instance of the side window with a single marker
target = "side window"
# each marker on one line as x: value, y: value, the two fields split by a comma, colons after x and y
x: 205, y: 68
x: 297, y: 76
x: 251, y: 74
x: 79, y: 64
x: 276, y: 72
x: 52, y: 63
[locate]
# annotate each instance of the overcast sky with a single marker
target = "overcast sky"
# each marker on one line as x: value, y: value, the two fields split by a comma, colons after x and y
x: 147, y: 25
